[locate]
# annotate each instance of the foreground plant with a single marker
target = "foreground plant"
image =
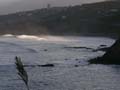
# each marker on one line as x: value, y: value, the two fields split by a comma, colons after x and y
x: 21, y: 71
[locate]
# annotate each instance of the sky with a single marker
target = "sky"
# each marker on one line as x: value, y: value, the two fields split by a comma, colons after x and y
x: 11, y: 6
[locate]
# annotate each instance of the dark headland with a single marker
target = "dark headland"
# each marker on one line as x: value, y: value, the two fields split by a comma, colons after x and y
x: 112, y: 56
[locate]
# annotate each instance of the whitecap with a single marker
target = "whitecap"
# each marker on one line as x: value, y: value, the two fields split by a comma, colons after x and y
x: 8, y: 35
x: 30, y: 37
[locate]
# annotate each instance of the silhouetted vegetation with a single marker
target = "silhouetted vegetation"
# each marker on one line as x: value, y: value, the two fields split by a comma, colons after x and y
x: 21, y: 71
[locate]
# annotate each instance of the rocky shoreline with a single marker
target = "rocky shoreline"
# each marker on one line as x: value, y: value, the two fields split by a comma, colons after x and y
x: 112, y: 55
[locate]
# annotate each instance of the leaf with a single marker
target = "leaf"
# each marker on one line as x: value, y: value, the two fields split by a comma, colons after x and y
x: 21, y: 71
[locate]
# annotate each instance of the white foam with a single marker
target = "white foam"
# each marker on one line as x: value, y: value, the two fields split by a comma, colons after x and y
x: 8, y: 35
x: 30, y: 37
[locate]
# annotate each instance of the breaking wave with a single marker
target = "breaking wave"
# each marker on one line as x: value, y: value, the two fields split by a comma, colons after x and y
x: 34, y: 37
x: 30, y: 37
x: 43, y: 38
x: 7, y: 35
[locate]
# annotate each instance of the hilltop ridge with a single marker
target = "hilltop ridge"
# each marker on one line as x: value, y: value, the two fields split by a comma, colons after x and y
x: 95, y: 19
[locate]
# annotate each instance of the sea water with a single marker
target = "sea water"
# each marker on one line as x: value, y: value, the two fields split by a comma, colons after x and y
x: 69, y: 55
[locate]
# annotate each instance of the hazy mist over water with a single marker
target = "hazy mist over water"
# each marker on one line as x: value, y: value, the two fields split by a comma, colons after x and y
x: 11, y: 6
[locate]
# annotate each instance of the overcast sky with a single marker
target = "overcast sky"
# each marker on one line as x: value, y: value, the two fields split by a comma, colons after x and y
x: 10, y: 6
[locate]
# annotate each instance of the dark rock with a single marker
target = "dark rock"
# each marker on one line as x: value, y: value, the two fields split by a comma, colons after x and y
x: 66, y: 59
x: 76, y: 59
x: 112, y: 56
x: 103, y: 45
x: 76, y: 65
x: 47, y: 65
x: 79, y: 47
x: 45, y: 50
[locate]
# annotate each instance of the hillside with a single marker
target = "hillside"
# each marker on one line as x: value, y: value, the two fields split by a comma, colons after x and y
x: 96, y: 19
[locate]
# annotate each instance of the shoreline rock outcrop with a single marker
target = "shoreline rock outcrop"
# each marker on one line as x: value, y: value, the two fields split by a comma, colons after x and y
x: 112, y: 55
